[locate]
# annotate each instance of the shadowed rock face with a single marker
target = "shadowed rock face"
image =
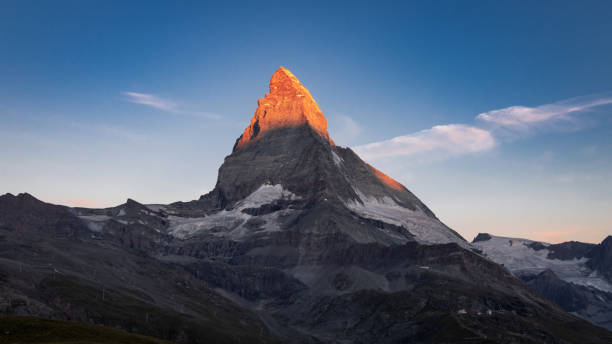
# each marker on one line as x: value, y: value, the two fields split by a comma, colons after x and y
x: 24, y: 213
x: 601, y: 258
x: 482, y: 237
x: 317, y: 244
x: 569, y: 250
x: 557, y: 290
x: 590, y: 303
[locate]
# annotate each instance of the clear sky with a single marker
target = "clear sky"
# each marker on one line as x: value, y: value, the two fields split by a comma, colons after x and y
x: 497, y: 114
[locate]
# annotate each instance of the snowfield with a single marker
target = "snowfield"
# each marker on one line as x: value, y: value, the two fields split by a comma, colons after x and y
x: 231, y: 223
x: 516, y: 255
x: 425, y: 229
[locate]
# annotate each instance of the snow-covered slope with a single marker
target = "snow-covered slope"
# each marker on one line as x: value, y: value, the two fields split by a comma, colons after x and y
x: 527, y: 257
x: 425, y: 229
x: 234, y: 223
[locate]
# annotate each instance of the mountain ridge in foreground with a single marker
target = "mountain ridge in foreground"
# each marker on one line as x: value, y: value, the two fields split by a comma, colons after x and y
x: 300, y: 241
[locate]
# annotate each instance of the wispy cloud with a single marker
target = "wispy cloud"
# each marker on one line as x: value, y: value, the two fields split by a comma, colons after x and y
x: 151, y: 100
x: 165, y: 105
x: 523, y: 117
x: 452, y: 139
x: 458, y: 139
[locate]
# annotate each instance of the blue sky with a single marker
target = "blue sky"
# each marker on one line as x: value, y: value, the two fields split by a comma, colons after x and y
x: 501, y: 110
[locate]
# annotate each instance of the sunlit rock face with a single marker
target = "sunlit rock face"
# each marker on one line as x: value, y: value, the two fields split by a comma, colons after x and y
x: 390, y: 182
x: 289, y: 104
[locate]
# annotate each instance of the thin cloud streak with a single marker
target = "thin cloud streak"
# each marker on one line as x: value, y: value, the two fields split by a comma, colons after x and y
x: 450, y: 139
x: 458, y: 139
x: 151, y: 101
x: 523, y: 117
x: 165, y: 105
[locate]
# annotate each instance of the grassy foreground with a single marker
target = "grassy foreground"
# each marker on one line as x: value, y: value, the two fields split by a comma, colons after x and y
x: 18, y: 329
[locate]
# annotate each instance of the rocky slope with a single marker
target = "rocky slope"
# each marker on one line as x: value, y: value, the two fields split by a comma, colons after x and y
x: 54, y: 264
x: 300, y: 238
x: 572, y: 274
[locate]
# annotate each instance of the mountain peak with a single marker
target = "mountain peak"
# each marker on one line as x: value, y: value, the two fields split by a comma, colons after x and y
x: 288, y: 104
x: 283, y: 81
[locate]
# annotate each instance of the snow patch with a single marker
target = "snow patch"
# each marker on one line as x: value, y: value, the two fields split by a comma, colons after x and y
x: 266, y: 194
x: 231, y: 223
x: 425, y: 229
x: 95, y: 223
x: 337, y: 159
x: 184, y: 227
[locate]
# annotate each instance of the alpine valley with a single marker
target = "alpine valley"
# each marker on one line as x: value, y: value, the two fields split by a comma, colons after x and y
x: 300, y: 241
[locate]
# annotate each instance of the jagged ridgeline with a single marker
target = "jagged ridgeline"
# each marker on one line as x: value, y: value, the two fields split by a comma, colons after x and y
x: 300, y: 241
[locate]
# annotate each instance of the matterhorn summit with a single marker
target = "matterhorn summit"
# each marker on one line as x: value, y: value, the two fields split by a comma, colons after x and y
x: 287, y: 146
x: 289, y: 104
